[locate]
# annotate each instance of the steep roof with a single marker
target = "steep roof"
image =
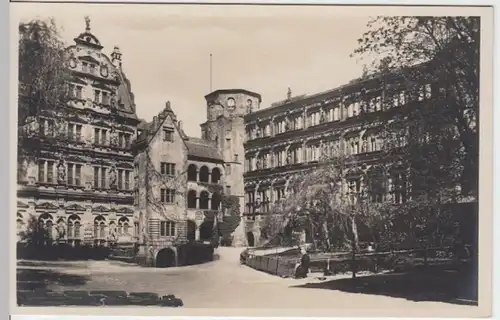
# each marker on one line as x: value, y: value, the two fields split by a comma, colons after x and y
x: 204, y: 149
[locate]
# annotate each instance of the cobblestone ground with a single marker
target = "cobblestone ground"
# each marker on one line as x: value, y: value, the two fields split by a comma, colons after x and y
x: 225, y: 283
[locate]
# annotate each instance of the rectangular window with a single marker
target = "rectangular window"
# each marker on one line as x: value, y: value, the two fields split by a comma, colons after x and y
x: 41, y: 171
x: 167, y: 195
x: 78, y: 174
x: 228, y: 189
x: 167, y: 229
x: 92, y: 68
x: 167, y: 168
x: 168, y: 134
x: 50, y: 171
x: 105, y: 98
x: 70, y: 173
x: 96, y: 135
x: 126, y: 141
x: 97, y: 96
x: 235, y: 157
x: 96, y: 177
x: 103, y: 137
x: 72, y: 89
x: 103, y: 178
x: 120, y: 179
x: 127, y: 180
x: 71, y: 130
x: 78, y: 133
x: 79, y: 90
x: 85, y: 67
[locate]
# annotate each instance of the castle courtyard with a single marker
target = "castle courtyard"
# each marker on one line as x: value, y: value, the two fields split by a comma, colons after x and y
x: 224, y: 283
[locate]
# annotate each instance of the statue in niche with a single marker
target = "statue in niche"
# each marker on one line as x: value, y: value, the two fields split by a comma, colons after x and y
x: 61, y: 172
x: 112, y: 232
x: 112, y: 178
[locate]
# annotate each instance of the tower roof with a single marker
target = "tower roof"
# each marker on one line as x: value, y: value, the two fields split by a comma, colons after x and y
x: 233, y: 91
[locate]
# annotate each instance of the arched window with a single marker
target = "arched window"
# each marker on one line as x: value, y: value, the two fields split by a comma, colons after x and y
x: 204, y: 174
x: 204, y: 200
x: 77, y: 229
x: 192, y: 172
x: 46, y: 222
x: 99, y: 227
x: 231, y: 103
x: 216, y: 175
x: 215, y: 201
x: 73, y: 227
x: 123, y: 225
x: 191, y: 199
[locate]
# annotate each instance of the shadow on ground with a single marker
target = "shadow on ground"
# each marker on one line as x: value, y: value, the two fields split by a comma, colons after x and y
x: 456, y: 286
x: 35, y: 279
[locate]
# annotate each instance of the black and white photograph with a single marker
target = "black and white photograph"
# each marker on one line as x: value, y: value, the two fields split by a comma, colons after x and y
x: 257, y: 157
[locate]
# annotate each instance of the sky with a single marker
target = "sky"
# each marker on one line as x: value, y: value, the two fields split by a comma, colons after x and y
x: 265, y: 49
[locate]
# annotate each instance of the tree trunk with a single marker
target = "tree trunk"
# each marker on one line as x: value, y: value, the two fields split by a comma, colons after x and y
x: 355, y: 236
x: 355, y: 244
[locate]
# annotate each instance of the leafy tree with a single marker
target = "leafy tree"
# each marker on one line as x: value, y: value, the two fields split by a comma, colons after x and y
x: 35, y: 235
x: 43, y: 69
x: 317, y: 201
x: 443, y: 51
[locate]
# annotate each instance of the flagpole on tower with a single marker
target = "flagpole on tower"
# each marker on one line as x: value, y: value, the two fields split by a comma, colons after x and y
x: 210, y: 72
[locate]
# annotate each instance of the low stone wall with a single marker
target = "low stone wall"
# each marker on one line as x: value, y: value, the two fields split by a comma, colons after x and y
x: 272, y: 265
x: 41, y: 297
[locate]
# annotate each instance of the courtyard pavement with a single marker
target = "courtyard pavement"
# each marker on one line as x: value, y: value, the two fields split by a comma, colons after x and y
x: 223, y: 283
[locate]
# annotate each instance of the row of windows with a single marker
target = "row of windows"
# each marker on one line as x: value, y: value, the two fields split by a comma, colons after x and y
x: 74, y: 133
x: 73, y: 227
x: 300, y: 154
x: 331, y: 114
x: 73, y: 173
x: 103, y: 175
x: 377, y: 191
x: 100, y: 96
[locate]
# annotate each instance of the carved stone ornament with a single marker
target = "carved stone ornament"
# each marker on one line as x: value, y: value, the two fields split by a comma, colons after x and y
x: 104, y: 71
x: 61, y: 172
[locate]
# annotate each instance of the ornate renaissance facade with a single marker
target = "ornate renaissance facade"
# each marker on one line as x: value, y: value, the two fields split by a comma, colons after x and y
x: 78, y: 178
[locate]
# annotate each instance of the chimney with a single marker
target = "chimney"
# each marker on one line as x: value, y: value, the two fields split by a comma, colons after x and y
x: 155, y: 121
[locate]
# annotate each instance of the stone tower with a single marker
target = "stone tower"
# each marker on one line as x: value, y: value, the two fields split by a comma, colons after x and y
x: 226, y: 126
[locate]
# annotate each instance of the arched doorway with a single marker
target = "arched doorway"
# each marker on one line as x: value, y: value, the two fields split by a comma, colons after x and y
x: 191, y: 230
x: 250, y: 239
x: 165, y: 258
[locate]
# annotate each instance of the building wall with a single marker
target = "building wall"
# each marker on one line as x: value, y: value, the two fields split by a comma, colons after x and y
x: 153, y: 182
x: 56, y: 182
